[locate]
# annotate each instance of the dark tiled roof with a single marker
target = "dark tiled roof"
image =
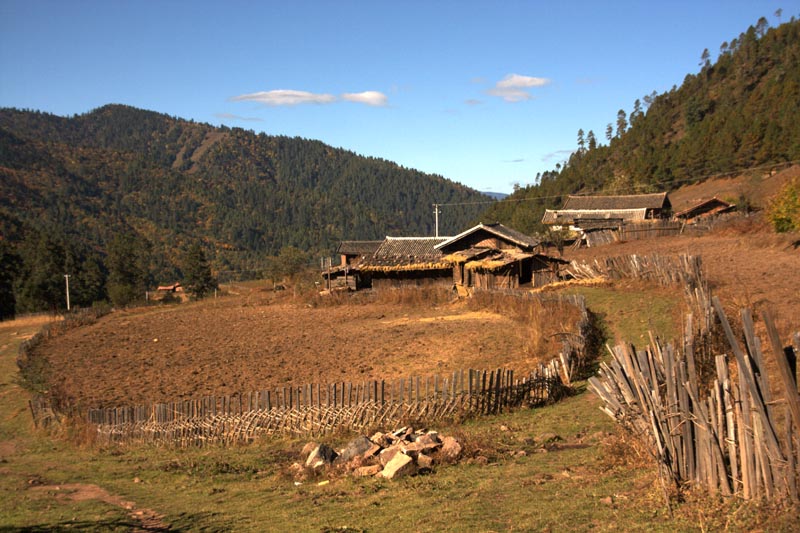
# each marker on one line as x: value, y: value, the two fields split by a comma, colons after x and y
x: 705, y: 206
x: 630, y: 201
x: 407, y: 252
x: 499, y: 230
x: 357, y: 247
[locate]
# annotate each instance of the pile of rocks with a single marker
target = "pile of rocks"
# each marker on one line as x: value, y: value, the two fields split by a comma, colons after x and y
x: 389, y: 455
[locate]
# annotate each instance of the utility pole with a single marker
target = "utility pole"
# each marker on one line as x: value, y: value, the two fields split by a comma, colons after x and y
x: 66, y: 277
x: 436, y: 219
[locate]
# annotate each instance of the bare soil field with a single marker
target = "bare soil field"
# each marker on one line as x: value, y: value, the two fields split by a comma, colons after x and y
x: 239, y: 344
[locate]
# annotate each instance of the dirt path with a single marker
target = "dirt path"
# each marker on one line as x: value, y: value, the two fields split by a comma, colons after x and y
x: 147, y: 519
x: 21, y: 471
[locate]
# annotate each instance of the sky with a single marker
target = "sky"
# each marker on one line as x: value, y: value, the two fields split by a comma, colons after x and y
x: 484, y: 93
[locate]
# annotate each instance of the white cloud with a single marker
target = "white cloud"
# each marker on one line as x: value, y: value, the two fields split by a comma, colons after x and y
x: 515, y: 87
x: 371, y: 98
x: 281, y: 97
x: 290, y: 97
x: 231, y: 116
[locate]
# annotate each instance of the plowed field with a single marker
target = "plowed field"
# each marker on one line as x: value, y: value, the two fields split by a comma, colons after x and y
x: 239, y: 344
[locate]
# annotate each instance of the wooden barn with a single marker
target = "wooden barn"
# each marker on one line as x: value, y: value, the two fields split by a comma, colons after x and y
x: 705, y: 209
x: 407, y: 261
x: 583, y: 212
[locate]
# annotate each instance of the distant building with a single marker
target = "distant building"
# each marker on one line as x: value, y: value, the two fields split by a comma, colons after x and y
x: 485, y: 256
x: 705, y: 209
x: 605, y: 212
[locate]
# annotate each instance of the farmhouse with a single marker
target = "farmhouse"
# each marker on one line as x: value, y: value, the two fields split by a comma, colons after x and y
x: 486, y: 256
x: 705, y: 209
x: 407, y: 261
x: 604, y: 212
x: 490, y: 256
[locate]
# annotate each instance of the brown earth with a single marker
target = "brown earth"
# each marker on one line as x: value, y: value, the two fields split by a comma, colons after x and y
x: 238, y: 344
x: 745, y: 263
x: 757, y: 188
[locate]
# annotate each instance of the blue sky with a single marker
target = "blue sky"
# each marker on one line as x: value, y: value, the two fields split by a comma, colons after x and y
x: 483, y: 93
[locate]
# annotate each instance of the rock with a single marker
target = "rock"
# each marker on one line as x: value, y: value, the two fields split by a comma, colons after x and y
x: 320, y: 456
x: 607, y: 500
x: 400, y: 465
x: 450, y: 451
x: 355, y: 448
x: 373, y: 451
x: 381, y: 439
x: 424, y: 462
x: 388, y: 454
x: 308, y: 448
x: 504, y: 428
x: 366, y: 471
x: 429, y: 440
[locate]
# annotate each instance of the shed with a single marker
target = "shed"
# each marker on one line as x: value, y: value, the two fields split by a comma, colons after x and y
x: 706, y: 208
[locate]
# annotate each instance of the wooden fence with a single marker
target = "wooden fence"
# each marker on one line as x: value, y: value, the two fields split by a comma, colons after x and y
x: 316, y: 409
x: 728, y: 439
x: 651, y: 229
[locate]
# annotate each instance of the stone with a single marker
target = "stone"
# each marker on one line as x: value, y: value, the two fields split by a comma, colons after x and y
x: 366, y: 471
x: 428, y: 441
x: 380, y: 439
x: 424, y: 462
x: 355, y: 448
x: 400, y: 465
x: 308, y: 448
x: 372, y: 452
x: 320, y: 456
x: 451, y: 450
x: 388, y: 454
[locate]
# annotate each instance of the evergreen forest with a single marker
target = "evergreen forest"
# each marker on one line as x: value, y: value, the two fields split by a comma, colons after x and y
x: 738, y: 114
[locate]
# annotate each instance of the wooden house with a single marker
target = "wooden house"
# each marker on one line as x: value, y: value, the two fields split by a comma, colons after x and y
x: 593, y: 212
x: 490, y: 256
x: 705, y: 209
x: 407, y: 261
x: 348, y: 274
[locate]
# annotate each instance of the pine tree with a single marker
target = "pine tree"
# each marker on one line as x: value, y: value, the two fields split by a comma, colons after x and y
x: 198, y: 279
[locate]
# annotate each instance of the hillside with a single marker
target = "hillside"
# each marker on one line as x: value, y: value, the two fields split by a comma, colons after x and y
x: 737, y: 116
x: 76, y: 183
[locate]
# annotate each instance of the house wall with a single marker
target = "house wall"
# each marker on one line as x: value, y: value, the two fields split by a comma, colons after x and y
x: 396, y: 280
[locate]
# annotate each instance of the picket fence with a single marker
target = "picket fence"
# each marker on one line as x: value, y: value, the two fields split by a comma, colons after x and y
x: 316, y: 409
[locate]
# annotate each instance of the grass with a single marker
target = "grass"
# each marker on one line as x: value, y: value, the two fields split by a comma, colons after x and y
x: 563, y: 467
x: 629, y: 311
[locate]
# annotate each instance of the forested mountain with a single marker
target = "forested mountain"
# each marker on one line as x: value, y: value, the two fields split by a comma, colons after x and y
x: 70, y: 187
x: 737, y: 113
